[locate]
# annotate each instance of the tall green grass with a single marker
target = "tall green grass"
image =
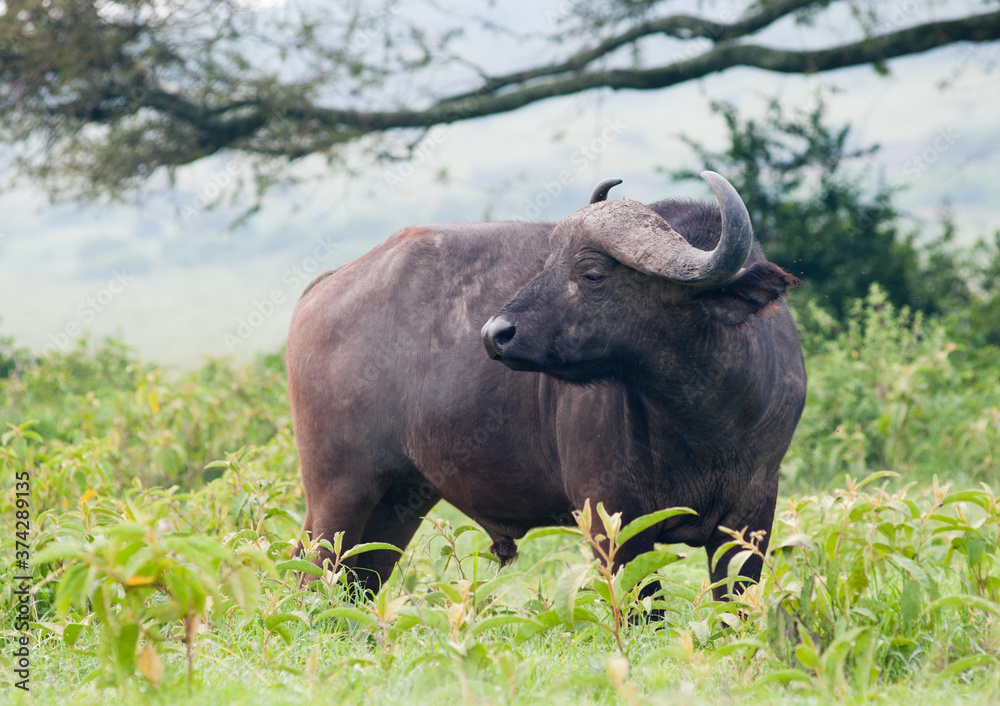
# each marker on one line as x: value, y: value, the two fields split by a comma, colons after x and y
x: 166, y: 506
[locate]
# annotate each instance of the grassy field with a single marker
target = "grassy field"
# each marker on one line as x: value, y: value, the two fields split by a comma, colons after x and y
x: 163, y: 508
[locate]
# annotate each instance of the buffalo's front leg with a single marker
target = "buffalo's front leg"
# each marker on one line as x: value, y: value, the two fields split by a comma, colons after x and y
x: 639, y: 544
x: 751, y: 569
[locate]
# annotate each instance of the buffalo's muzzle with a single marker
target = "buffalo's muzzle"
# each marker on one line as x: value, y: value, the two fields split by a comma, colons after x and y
x: 497, y: 333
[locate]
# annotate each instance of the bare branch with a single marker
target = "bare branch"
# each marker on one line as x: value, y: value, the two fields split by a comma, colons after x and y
x: 725, y: 55
x: 679, y: 26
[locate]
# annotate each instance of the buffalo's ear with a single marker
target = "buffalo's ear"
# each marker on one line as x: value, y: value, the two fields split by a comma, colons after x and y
x: 747, y: 293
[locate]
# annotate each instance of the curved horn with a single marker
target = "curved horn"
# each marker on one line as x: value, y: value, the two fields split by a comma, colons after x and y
x: 600, y: 191
x: 736, y: 239
x: 638, y: 237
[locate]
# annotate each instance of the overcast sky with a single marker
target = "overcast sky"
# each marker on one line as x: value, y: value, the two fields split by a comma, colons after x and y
x: 175, y: 283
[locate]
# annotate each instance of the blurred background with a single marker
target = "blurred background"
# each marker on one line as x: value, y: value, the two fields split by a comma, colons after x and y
x: 177, y: 171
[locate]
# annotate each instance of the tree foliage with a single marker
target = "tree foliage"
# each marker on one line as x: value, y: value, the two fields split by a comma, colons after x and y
x: 819, y: 213
x: 99, y: 95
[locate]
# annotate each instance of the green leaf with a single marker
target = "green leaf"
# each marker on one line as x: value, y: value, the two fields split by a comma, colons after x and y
x: 494, y: 587
x: 450, y: 590
x: 369, y: 547
x: 720, y: 552
x: 244, y: 589
x: 797, y: 540
x: 914, y: 570
x: 140, y: 559
x: 71, y: 633
x: 700, y: 630
x: 860, y: 610
x: 979, y: 497
x: 643, y: 565
x: 128, y: 530
x: 858, y: 579
x: 863, y: 674
x: 349, y: 613
x: 275, y: 619
x: 878, y: 475
x: 784, y: 676
x: 125, y: 649
x: 73, y: 588
x: 299, y: 565
x: 730, y: 647
x: 564, y: 600
x: 462, y: 529
x: 252, y: 555
x: 434, y: 618
x: 836, y: 652
x: 961, y: 665
x: 965, y: 601
x: 646, y: 521
x: 607, y: 520
x: 543, y: 621
x: 677, y: 590
x: 779, y: 619
x: 499, y: 621
x: 735, y: 566
x: 807, y: 655
x: 549, y: 532
x: 911, y: 602
x: 55, y: 552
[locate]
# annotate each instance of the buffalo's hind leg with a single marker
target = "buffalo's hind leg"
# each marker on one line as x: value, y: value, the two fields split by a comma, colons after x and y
x: 394, y: 520
x: 337, y: 507
x: 391, y: 517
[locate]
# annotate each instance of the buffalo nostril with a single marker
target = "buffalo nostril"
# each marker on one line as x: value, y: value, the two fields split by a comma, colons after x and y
x: 504, y: 335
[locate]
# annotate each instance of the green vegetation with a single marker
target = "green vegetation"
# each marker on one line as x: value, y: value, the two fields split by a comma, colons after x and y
x: 892, y: 391
x: 165, y: 509
x: 819, y: 214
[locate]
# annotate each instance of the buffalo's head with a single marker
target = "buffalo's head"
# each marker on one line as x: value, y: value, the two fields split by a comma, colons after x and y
x: 620, y: 284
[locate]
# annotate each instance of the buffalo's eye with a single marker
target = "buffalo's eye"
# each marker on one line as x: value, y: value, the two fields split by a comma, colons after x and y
x: 593, y: 277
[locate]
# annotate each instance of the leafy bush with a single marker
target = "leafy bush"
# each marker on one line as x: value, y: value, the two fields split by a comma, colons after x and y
x: 819, y: 214
x: 155, y: 590
x: 158, y: 426
x: 891, y: 391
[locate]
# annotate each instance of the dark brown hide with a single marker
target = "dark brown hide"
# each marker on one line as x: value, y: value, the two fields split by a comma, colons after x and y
x: 618, y: 386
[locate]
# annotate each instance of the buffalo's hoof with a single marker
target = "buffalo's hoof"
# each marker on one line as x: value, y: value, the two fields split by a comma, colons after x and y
x: 505, y: 550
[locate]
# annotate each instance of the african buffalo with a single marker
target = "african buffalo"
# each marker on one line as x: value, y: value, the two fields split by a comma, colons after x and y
x: 648, y: 361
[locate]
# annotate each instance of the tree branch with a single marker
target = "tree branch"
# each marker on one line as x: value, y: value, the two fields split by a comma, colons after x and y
x: 153, y: 123
x: 725, y: 55
x: 679, y: 26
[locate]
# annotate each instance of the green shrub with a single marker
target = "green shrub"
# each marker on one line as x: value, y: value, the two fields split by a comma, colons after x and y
x: 890, y: 391
x: 160, y: 578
